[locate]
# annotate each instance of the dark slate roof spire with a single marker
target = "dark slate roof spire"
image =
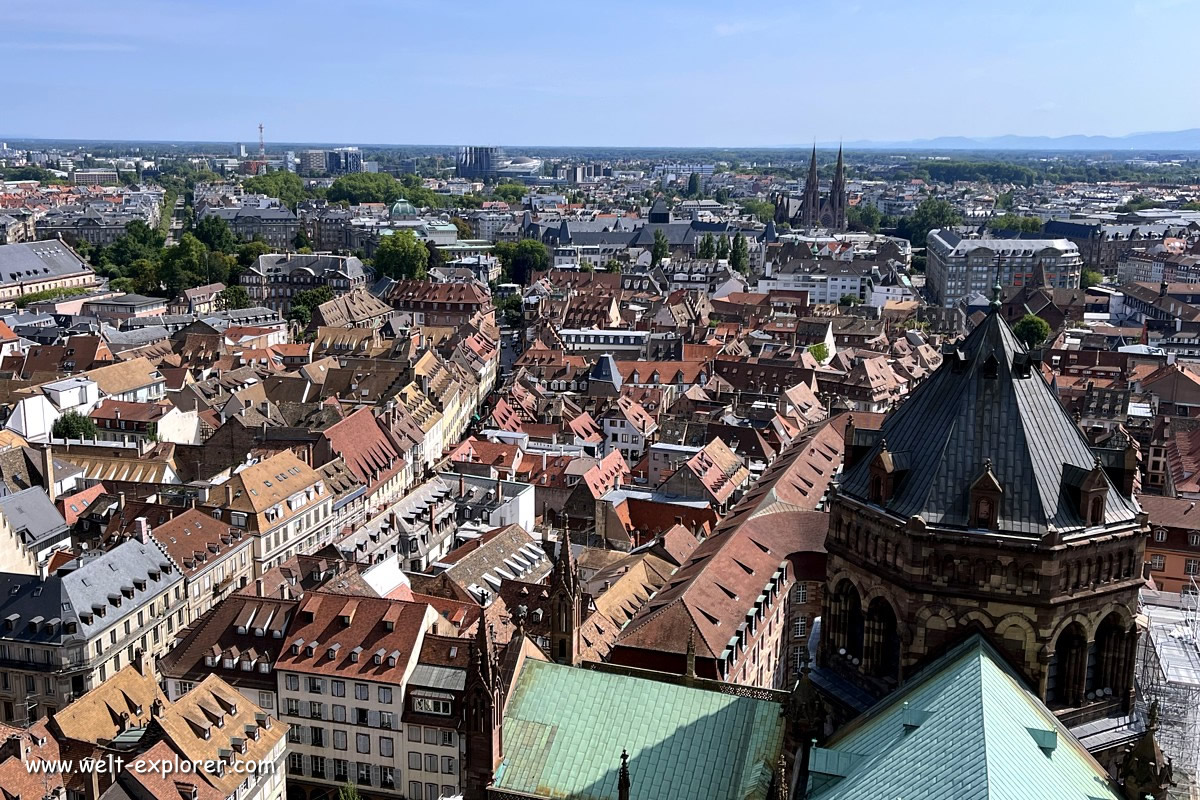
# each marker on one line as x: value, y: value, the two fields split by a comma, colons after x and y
x: 623, y: 777
x: 987, y: 400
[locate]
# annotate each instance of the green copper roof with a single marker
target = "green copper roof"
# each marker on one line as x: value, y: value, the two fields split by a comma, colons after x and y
x: 966, y: 728
x: 565, y: 727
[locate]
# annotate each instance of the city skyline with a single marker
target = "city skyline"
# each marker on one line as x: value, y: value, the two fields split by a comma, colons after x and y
x: 753, y: 77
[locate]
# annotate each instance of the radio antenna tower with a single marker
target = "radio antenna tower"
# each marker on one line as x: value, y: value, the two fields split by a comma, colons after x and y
x: 262, y: 145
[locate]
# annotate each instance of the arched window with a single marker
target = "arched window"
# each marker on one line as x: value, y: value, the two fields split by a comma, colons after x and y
x: 983, y: 513
x: 1096, y: 516
x: 876, y: 489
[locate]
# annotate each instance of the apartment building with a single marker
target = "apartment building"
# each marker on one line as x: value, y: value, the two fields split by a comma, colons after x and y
x: 214, y: 558
x: 215, y: 723
x: 31, y: 267
x: 281, y: 502
x: 67, y: 632
x: 959, y: 266
x: 342, y: 681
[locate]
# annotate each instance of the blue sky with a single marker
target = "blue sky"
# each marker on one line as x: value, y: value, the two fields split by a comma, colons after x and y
x: 643, y: 73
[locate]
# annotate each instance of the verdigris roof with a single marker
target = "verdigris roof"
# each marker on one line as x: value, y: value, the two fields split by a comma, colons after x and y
x: 565, y: 727
x: 987, y: 400
x: 965, y: 728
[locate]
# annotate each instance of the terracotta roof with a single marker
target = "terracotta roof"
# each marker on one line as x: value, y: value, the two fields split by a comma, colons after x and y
x: 347, y: 636
x: 132, y: 412
x: 100, y: 714
x: 712, y: 593
x: 193, y: 539
x: 73, y: 505
x: 190, y: 726
x: 368, y: 452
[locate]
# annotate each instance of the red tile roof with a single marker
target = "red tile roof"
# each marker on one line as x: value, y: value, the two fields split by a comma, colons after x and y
x: 390, y: 628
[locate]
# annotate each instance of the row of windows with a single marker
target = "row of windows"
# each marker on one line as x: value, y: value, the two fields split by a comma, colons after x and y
x: 366, y: 774
x: 337, y: 688
x: 360, y: 716
x: 1191, y: 566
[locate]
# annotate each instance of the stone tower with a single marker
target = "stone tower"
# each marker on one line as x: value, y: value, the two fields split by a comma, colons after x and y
x: 980, y: 506
x: 483, y: 717
x: 566, y: 608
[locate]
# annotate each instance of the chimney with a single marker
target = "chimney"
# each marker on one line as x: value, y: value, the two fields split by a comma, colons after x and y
x: 228, y: 494
x: 499, y: 491
x: 46, y: 454
x: 258, y: 587
x: 120, y: 501
x: 141, y: 530
x: 543, y: 461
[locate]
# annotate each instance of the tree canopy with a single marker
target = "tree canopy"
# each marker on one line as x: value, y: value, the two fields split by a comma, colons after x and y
x: 365, y: 187
x: 287, y: 186
x: 1015, y: 222
x: 933, y: 212
x: 660, y: 249
x: 708, y: 246
x: 231, y: 298
x: 73, y: 425
x: 401, y: 256
x: 763, y: 210
x: 739, y: 254
x: 1032, y: 330
x: 215, y: 234
x: 521, y: 259
x: 304, y: 302
x: 1090, y: 278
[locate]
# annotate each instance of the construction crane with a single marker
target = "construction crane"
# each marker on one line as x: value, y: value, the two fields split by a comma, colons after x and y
x: 262, y: 145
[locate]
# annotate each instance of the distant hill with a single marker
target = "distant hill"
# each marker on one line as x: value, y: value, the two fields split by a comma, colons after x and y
x: 1163, y: 140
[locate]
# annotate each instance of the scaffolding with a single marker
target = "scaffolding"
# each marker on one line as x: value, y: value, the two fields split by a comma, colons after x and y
x: 1168, y: 670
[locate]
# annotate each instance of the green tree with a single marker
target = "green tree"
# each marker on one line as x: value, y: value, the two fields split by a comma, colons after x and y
x: 660, y: 249
x: 739, y: 254
x: 708, y: 246
x: 519, y: 260
x: 464, y: 228
x: 763, y: 210
x: 400, y: 256
x: 231, y: 298
x: 694, y: 189
x: 138, y: 241
x: 348, y: 792
x: 365, y: 187
x: 183, y: 266
x: 303, y: 303
x: 932, y: 213
x: 73, y: 425
x: 301, y: 240
x: 510, y: 192
x: 1090, y: 278
x: 248, y: 253
x: 820, y: 352
x: 849, y: 300
x: 215, y: 234
x: 1004, y: 201
x: 126, y: 285
x: 1032, y: 330
x: 723, y: 246
x: 613, y: 266
x: 864, y: 217
x: 1015, y: 222
x: 287, y: 186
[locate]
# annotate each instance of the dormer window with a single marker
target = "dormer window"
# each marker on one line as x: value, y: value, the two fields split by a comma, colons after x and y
x: 1093, y: 494
x: 985, y: 496
x: 884, y: 469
